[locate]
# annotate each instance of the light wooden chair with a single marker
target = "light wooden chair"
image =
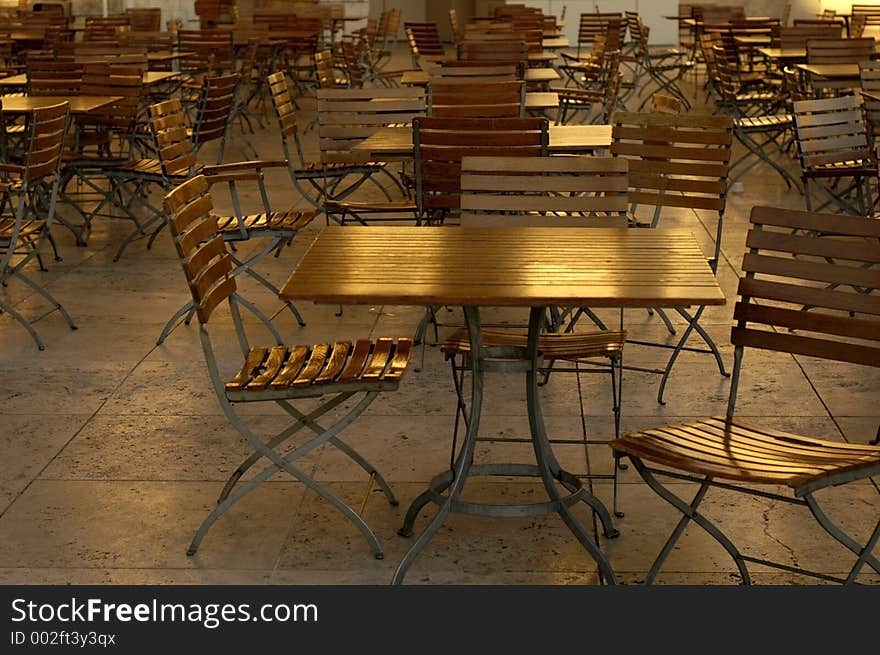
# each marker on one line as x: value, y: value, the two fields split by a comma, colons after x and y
x: 277, y: 374
x: 869, y: 74
x: 345, y: 118
x: 276, y: 228
x: 781, y: 273
x: 679, y: 161
x: 28, y: 193
x: 832, y: 147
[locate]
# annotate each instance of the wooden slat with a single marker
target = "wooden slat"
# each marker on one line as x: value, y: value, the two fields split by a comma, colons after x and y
x: 844, y: 249
x: 379, y: 359
x: 313, y: 366
x: 270, y: 368
x: 335, y: 362
x: 253, y: 361
x: 814, y: 271
x: 800, y: 345
x: 292, y: 367
x: 798, y: 319
x: 356, y: 361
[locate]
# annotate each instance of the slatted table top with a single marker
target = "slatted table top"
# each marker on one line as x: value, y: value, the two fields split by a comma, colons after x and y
x: 522, y: 266
x: 831, y: 70
x: 535, y: 75
x: 556, y: 42
x: 78, y: 104
x: 149, y: 77
x: 564, y: 139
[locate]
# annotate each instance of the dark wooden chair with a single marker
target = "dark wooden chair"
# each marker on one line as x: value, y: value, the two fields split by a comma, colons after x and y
x: 782, y: 272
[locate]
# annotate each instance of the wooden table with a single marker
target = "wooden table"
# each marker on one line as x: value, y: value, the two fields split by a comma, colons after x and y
x: 555, y: 43
x: 785, y: 55
x: 532, y: 75
x: 564, y: 139
x: 78, y: 104
x: 516, y: 267
x: 838, y: 76
x: 149, y: 77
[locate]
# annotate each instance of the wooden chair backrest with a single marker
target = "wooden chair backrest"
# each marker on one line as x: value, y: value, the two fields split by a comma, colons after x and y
x: 839, y: 51
x: 168, y: 125
x: 675, y: 160
x: 215, y: 108
x: 211, y: 50
x: 352, y: 55
x: 104, y: 28
x: 799, y: 259
x: 151, y: 41
x: 578, y: 191
x: 124, y: 81
x: 54, y: 78
x: 830, y: 131
x: 146, y: 19
x: 869, y: 72
x: 797, y: 37
x: 441, y: 143
x: 425, y: 37
x: 206, y: 263
x: 282, y: 100
x: 478, y: 99
x: 510, y: 51
x: 48, y: 126
x: 325, y: 69
x: 595, y: 23
x: 348, y: 116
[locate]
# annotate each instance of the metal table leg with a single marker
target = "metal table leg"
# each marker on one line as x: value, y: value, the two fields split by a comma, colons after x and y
x: 548, y: 469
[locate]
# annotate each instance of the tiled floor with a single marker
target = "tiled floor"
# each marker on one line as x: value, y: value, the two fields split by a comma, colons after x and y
x: 114, y: 449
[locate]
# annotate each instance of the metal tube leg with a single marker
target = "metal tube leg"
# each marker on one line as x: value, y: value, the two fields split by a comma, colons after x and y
x: 864, y: 553
x: 24, y: 322
x: 188, y: 308
x: 690, y: 513
x: 472, y: 319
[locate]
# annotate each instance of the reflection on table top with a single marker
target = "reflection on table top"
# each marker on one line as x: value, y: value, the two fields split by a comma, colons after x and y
x: 521, y: 266
x: 564, y: 139
x: 78, y: 104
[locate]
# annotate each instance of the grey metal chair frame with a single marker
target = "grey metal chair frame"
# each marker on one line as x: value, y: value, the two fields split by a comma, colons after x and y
x: 30, y: 195
x: 277, y: 374
x: 746, y: 457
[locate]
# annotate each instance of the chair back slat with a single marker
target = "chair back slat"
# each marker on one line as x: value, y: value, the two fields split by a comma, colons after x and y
x: 830, y: 131
x: 168, y: 126
x: 839, y: 51
x: 206, y: 263
x: 811, y: 292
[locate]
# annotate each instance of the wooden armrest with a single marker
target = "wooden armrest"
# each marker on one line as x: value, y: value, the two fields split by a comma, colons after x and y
x: 240, y: 176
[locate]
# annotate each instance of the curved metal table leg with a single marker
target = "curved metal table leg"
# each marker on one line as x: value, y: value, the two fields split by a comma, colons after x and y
x: 465, y: 456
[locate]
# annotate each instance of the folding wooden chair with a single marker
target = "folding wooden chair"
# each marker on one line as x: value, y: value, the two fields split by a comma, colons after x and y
x: 345, y: 118
x: 782, y: 272
x: 676, y: 160
x: 334, y: 373
x: 28, y: 193
x: 833, y: 147
x: 277, y: 228
x: 132, y: 181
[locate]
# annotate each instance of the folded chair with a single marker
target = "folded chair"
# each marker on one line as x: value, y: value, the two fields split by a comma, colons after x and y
x: 576, y: 191
x: 28, y: 193
x: 782, y: 272
x: 335, y: 374
x: 276, y: 228
x: 834, y: 154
